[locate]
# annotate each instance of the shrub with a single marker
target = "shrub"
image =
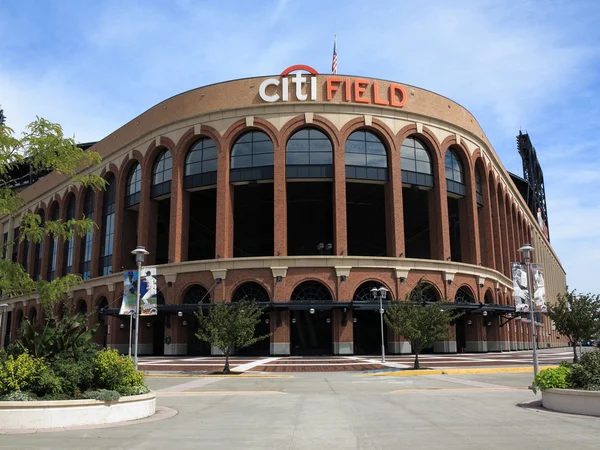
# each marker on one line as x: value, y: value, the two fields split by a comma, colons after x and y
x: 551, y: 378
x: 586, y: 373
x: 76, y: 375
x: 135, y: 390
x: 115, y: 372
x: 23, y: 373
x: 104, y: 395
x: 19, y: 396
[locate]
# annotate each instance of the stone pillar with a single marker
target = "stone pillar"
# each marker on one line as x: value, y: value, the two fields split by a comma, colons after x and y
x: 280, y: 327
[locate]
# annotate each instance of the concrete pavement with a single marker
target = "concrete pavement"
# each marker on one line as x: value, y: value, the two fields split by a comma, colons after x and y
x: 339, y: 411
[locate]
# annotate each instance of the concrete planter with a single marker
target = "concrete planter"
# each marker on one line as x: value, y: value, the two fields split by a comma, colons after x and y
x: 74, y: 413
x: 572, y: 401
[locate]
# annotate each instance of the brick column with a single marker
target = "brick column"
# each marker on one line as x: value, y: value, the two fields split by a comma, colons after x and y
x: 504, y: 238
x: 179, y: 213
x: 495, y: 228
x: 493, y: 335
x: 487, y: 247
x: 97, y: 236
x: 279, y: 201
x: 512, y: 248
x: 339, y: 201
x: 280, y: 327
x: 343, y: 332
x: 469, y: 233
x: 394, y: 207
x: 147, y: 217
x: 474, y: 334
x: 439, y: 228
x: 224, y: 226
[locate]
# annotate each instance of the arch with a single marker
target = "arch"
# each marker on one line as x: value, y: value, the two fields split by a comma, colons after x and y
x: 252, y: 291
x: 319, y: 122
x: 456, y: 176
x: 32, y: 315
x: 162, y: 171
x: 311, y: 290
x: 53, y: 215
x: 426, y: 136
x: 19, y: 317
x: 108, y: 224
x: 240, y: 127
x: 85, y: 254
x: 488, y: 297
x: 464, y: 294
x: 363, y: 291
x: 200, y: 163
x: 69, y: 213
x: 196, y: 294
x: 377, y: 126
x: 82, y: 307
x: 39, y: 248
x: 366, y: 156
x: 428, y: 292
x: 309, y: 154
x: 252, y: 157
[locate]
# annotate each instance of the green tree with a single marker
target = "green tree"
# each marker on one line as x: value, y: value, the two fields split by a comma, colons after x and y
x: 419, y: 322
x: 576, y: 316
x: 230, y: 326
x: 43, y: 148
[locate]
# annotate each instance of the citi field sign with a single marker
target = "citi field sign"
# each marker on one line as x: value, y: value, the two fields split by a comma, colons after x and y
x: 337, y: 88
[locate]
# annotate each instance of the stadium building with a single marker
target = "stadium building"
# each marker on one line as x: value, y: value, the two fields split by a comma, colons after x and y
x: 302, y: 192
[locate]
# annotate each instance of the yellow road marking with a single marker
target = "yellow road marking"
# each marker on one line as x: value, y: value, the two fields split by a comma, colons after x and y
x: 222, y: 392
x: 475, y: 371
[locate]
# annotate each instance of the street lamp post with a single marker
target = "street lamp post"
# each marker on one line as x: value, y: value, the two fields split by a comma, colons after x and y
x: 139, y: 253
x: 380, y: 293
x: 526, y: 251
x: 3, y: 308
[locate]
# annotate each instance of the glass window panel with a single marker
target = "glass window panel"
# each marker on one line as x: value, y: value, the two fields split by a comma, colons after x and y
x: 422, y: 155
x: 371, y: 137
x: 408, y: 164
x: 316, y: 134
x: 376, y: 161
x: 355, y: 147
x: 259, y: 136
x: 242, y: 148
x: 423, y: 167
x: 167, y: 174
x: 245, y: 138
x: 263, y: 147
x: 418, y: 144
x: 376, y: 148
x: 320, y: 145
x: 192, y: 169
x: 209, y: 166
x: 239, y: 162
x: 265, y: 159
x: 193, y: 156
x: 321, y: 158
x: 449, y: 174
x: 297, y: 146
x: 407, y: 152
x: 357, y: 136
x: 356, y: 159
x: 297, y: 158
x: 209, y: 153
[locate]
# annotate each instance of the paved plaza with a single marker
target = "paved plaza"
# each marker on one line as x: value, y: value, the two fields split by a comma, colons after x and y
x: 341, y: 410
x: 353, y: 363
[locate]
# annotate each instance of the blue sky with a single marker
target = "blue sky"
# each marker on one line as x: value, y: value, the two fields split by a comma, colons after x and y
x: 531, y: 65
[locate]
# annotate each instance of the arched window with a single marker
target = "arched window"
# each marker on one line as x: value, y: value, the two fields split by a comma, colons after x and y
x: 134, y: 186
x: 201, y: 164
x: 424, y: 292
x: 309, y: 154
x: 363, y: 292
x: 366, y: 157
x: 55, y: 215
x: 416, y: 163
x: 82, y: 307
x: 478, y: 188
x: 37, y: 264
x: 102, y: 305
x: 252, y: 157
x: 252, y: 292
x: 488, y: 298
x: 86, y: 242
x: 196, y: 295
x: 310, y: 291
x: 108, y: 228
x: 70, y: 244
x: 32, y: 316
x: 455, y: 179
x: 464, y: 295
x: 161, y: 174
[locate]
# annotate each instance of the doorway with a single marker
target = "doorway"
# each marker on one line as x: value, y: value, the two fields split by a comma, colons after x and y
x: 367, y: 332
x: 311, y: 334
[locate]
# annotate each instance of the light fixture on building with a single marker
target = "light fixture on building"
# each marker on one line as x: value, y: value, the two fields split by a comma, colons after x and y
x: 311, y: 310
x: 184, y: 323
x: 354, y: 319
x: 179, y: 314
x: 469, y: 322
x: 122, y: 326
x: 267, y: 320
x: 328, y: 320
x: 294, y: 320
x: 484, y: 313
x: 148, y: 324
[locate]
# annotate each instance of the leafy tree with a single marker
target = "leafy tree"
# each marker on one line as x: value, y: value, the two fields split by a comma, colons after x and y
x: 576, y: 316
x: 230, y: 326
x: 419, y: 322
x: 43, y: 148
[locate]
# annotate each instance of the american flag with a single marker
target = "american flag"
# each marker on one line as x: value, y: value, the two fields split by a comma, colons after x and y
x: 334, y: 60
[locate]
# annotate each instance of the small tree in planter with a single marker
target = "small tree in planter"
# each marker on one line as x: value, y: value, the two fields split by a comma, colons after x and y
x: 576, y: 316
x: 419, y: 322
x: 230, y: 326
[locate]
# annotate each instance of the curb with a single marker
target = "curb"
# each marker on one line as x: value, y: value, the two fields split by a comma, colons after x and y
x: 473, y: 371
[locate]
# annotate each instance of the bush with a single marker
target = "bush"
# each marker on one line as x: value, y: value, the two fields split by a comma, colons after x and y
x: 115, y: 372
x: 555, y: 378
x: 104, y: 395
x: 586, y: 373
x: 24, y: 373
x: 135, y: 390
x: 76, y: 375
x: 19, y: 396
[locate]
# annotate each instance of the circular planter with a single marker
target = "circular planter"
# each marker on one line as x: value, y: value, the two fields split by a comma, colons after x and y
x: 71, y: 413
x: 572, y: 401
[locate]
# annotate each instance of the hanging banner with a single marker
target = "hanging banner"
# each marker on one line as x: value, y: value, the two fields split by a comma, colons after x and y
x: 520, y: 293
x: 129, y: 293
x: 539, y: 287
x: 148, y: 292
